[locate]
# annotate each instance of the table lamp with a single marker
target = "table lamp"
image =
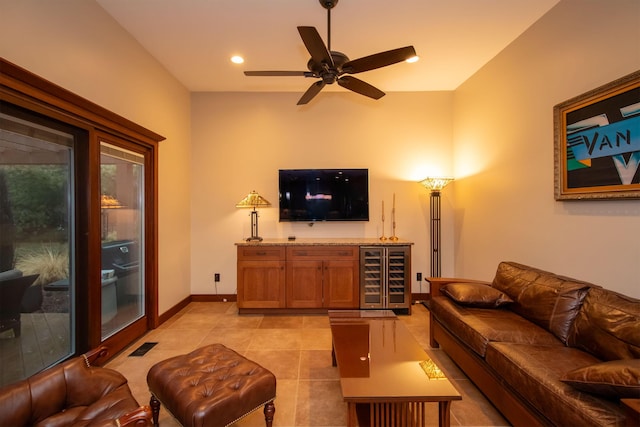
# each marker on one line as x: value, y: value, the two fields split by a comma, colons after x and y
x: 253, y: 200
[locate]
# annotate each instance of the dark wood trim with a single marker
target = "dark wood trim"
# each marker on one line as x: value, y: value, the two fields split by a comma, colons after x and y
x: 126, y: 337
x: 173, y: 310
x: 83, y: 244
x: 94, y: 243
x: 152, y: 240
x: 54, y: 97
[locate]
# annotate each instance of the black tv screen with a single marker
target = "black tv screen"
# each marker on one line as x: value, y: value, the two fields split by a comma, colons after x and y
x: 324, y: 194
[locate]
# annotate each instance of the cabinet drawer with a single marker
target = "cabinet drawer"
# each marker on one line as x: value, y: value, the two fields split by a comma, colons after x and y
x: 262, y: 253
x: 322, y: 252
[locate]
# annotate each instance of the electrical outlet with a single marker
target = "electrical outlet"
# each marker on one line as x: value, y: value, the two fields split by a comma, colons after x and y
x: 419, y: 277
x: 216, y: 277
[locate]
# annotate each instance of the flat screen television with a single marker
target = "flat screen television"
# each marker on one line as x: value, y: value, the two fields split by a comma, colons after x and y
x: 324, y: 194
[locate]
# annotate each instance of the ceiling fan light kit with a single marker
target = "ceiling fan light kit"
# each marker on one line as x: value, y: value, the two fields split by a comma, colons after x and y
x: 332, y: 66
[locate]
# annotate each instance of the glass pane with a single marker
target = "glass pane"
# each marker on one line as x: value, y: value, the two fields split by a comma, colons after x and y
x: 122, y: 211
x: 36, y: 248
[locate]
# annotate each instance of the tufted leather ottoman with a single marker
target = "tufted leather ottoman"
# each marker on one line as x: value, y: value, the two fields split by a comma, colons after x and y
x: 210, y: 387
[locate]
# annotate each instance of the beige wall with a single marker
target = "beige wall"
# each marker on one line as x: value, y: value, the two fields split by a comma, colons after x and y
x: 77, y: 45
x: 504, y: 203
x: 240, y: 140
x: 501, y: 206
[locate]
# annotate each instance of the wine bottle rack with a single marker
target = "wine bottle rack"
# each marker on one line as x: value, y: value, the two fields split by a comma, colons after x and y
x: 385, y: 277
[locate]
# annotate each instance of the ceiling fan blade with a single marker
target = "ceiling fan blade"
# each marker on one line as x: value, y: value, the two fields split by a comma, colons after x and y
x: 311, y: 92
x: 279, y: 73
x: 379, y: 60
x: 316, y: 47
x: 358, y: 86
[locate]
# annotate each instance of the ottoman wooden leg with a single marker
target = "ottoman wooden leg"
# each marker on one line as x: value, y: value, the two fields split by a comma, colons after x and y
x: 269, y: 411
x: 155, y: 410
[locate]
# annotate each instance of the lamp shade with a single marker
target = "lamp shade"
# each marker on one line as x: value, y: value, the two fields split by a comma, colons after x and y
x: 253, y: 200
x: 435, y: 183
x: 110, y: 202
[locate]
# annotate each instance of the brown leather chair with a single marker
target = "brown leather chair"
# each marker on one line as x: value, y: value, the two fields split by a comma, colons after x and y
x: 12, y: 288
x: 73, y: 393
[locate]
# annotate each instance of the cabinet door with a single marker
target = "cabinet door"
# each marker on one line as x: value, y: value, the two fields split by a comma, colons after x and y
x: 261, y: 284
x: 340, y: 284
x: 399, y: 277
x: 304, y: 284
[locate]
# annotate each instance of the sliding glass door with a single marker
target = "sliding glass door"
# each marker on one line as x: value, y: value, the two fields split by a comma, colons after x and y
x: 37, y: 251
x: 122, y: 206
x: 67, y: 282
x: 78, y: 226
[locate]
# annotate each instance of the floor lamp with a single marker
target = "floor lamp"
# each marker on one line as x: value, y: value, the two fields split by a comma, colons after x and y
x: 435, y: 185
x: 253, y: 200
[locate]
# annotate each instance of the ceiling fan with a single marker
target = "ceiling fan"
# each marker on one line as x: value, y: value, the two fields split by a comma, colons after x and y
x: 331, y: 66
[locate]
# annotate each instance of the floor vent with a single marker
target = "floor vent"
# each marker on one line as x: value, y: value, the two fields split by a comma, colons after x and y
x: 142, y: 350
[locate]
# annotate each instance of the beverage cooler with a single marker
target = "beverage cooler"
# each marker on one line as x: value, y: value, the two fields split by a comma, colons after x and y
x: 385, y: 277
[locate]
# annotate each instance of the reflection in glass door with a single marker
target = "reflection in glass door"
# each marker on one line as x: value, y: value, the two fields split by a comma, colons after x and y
x: 122, y: 235
x: 37, y: 251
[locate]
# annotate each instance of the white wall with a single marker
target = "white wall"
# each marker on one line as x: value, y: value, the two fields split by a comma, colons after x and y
x: 503, y: 137
x: 240, y: 140
x: 77, y: 45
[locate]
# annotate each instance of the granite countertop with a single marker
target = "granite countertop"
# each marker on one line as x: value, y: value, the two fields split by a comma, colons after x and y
x: 373, y: 241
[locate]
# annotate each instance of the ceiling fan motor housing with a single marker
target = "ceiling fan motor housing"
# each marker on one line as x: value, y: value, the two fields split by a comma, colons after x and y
x: 328, y: 73
x: 328, y: 4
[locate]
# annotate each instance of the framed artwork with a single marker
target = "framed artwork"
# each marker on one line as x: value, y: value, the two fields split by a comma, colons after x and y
x: 597, y: 143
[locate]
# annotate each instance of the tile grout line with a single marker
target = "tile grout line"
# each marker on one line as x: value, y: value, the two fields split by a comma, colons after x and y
x: 297, y: 399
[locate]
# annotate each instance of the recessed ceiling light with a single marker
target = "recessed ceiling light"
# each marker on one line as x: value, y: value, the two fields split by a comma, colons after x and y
x: 413, y: 59
x: 237, y: 59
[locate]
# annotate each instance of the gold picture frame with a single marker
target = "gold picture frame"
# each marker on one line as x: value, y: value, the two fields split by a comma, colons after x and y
x: 597, y: 143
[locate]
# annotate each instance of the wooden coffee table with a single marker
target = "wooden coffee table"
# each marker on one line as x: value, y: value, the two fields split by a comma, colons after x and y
x: 386, y: 377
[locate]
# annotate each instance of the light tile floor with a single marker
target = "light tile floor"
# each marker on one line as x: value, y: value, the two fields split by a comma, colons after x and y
x: 297, y: 349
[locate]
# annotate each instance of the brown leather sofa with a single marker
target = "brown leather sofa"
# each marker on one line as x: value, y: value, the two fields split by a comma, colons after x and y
x: 73, y: 393
x: 545, y: 349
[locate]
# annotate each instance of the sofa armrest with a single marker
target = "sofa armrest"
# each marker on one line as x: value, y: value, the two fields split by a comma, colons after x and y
x: 69, y: 384
x: 96, y: 356
x: 632, y: 410
x: 438, y: 282
x: 140, y: 417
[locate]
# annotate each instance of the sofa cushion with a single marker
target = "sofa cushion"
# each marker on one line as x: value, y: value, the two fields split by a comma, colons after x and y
x: 614, y: 379
x: 546, y: 299
x: 476, y: 327
x: 475, y: 295
x: 608, y: 325
x: 534, y: 372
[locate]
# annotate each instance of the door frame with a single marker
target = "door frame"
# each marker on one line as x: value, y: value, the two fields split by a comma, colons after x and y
x: 26, y: 90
